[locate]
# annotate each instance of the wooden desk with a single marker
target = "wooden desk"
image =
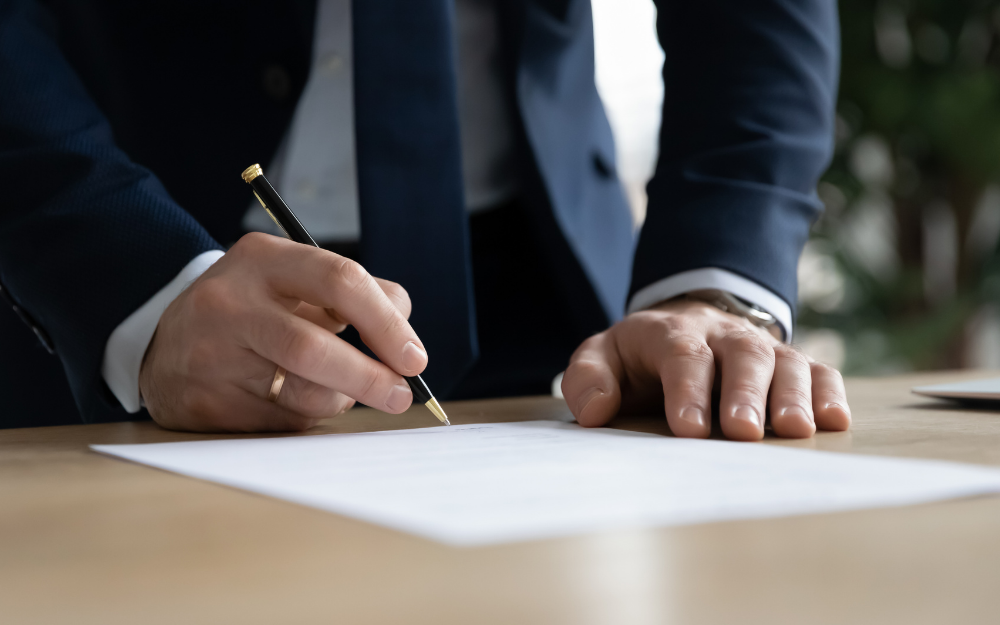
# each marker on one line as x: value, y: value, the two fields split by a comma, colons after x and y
x: 88, y: 539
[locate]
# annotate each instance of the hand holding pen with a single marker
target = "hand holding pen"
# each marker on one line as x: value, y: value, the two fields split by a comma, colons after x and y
x: 294, y: 230
x: 211, y: 366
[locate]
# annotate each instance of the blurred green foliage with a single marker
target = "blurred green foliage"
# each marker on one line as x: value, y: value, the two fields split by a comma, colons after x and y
x: 907, y: 246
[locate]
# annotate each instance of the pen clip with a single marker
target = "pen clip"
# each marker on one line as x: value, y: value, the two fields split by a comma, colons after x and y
x: 271, y: 215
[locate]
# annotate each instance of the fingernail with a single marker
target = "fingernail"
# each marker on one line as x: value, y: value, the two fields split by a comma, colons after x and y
x: 693, y: 415
x: 414, y: 358
x: 795, y: 411
x: 591, y: 395
x: 842, y: 408
x: 746, y: 413
x: 399, y: 398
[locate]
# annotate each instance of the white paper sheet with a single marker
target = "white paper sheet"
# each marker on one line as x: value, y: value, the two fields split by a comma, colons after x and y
x: 493, y: 483
x: 967, y: 389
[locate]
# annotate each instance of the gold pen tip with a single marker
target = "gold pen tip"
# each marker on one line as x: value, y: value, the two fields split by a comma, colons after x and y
x: 252, y: 172
x: 433, y: 405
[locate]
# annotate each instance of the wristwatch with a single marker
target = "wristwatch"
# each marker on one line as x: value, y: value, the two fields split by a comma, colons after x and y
x: 727, y: 302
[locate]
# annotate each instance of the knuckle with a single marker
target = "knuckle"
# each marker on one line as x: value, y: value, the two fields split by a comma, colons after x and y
x: 753, y: 345
x: 689, y: 348
x: 368, y: 382
x: 651, y: 321
x: 729, y: 326
x: 789, y: 352
x: 348, y: 273
x: 793, y: 397
x: 830, y: 394
x: 667, y: 325
x: 303, y: 352
x: 394, y: 324
x: 644, y: 316
x: 252, y: 243
x: 747, y: 388
x: 821, y: 368
x: 394, y: 290
x: 690, y: 388
x: 402, y: 298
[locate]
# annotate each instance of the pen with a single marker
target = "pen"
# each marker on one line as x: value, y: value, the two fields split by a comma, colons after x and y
x: 294, y: 230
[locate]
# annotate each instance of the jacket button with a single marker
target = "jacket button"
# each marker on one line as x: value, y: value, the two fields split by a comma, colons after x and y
x: 276, y: 82
x: 603, y: 168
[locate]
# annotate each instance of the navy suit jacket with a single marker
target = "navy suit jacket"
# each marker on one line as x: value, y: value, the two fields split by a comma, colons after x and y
x: 123, y: 125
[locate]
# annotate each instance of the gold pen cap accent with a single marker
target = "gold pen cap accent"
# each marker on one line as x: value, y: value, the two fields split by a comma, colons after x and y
x: 433, y: 405
x: 252, y: 172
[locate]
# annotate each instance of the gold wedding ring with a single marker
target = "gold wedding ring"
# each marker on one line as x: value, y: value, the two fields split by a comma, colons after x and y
x: 276, y: 384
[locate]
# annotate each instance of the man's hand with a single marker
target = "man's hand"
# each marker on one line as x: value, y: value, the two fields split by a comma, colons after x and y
x: 673, y: 356
x: 271, y: 302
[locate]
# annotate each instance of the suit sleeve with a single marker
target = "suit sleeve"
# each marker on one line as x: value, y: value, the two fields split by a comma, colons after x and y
x: 86, y: 235
x: 749, y: 91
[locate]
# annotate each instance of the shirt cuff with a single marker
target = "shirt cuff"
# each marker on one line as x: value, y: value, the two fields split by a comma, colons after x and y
x: 715, y: 278
x: 126, y: 347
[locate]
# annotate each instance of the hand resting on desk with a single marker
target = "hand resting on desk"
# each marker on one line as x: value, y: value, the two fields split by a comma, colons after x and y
x: 272, y: 302
x: 673, y: 356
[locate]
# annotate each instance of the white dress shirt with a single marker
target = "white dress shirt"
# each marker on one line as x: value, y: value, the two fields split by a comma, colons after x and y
x: 315, y: 169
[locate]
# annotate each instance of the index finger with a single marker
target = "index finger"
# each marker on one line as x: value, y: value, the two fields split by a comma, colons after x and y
x: 328, y: 280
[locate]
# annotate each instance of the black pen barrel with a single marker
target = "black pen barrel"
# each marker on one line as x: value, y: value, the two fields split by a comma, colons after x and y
x: 421, y: 394
x: 273, y: 203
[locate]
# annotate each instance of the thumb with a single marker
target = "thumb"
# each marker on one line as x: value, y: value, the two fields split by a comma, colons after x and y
x: 590, y: 384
